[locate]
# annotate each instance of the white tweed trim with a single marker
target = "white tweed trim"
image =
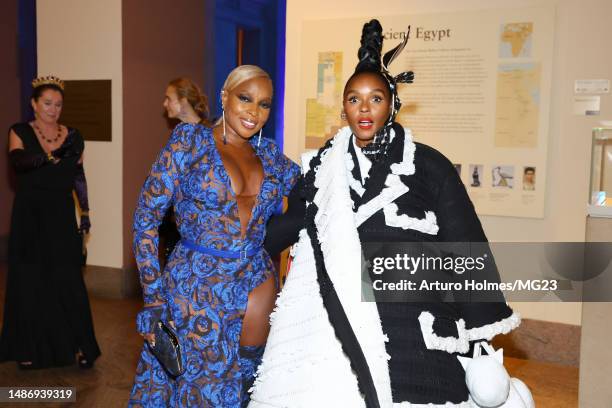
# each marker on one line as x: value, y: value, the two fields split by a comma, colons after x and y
x: 427, y: 225
x: 487, y: 332
x: 339, y: 238
x: 294, y: 351
x: 405, y: 404
x: 406, y: 166
x: 306, y: 158
x: 394, y: 188
x: 449, y: 344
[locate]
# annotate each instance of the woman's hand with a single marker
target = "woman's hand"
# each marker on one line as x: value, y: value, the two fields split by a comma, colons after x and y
x: 147, y: 319
x: 85, y: 224
x: 150, y: 338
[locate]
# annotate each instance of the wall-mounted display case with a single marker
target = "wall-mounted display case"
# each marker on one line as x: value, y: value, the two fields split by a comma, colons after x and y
x: 600, y: 191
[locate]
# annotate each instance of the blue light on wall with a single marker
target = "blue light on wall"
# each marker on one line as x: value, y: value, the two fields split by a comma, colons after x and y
x: 263, y: 25
x: 281, y: 19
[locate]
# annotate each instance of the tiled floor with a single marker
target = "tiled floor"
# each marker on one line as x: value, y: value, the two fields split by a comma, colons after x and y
x: 108, y: 383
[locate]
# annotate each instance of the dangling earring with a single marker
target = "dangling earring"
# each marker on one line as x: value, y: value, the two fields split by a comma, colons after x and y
x: 343, y: 116
x: 224, y: 131
x: 259, y: 137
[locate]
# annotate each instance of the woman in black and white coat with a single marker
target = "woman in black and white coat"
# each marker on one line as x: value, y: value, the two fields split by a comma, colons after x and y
x: 371, y: 182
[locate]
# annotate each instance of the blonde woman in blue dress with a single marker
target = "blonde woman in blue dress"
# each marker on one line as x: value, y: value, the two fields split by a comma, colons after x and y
x: 218, y: 287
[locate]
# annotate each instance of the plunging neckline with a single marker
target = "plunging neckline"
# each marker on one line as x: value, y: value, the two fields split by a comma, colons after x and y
x: 40, y: 144
x: 228, y: 184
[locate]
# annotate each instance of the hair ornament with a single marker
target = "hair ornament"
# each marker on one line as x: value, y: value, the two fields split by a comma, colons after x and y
x: 48, y: 80
x: 406, y: 77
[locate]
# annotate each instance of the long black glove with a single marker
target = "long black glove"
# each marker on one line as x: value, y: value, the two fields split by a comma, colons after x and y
x: 24, y: 161
x: 283, y: 229
x: 80, y: 187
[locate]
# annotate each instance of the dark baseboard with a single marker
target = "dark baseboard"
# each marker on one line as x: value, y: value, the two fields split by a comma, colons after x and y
x: 131, y: 282
x: 3, y: 248
x: 547, y: 342
x: 113, y: 283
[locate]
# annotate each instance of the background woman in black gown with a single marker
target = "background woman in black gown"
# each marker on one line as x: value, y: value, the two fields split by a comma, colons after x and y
x: 47, y: 320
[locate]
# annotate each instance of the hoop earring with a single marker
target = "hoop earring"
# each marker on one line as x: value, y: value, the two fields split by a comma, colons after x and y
x: 259, y: 137
x: 224, y: 131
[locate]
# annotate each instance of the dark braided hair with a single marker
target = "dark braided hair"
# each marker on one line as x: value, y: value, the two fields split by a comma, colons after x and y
x: 370, y: 61
x: 369, y: 53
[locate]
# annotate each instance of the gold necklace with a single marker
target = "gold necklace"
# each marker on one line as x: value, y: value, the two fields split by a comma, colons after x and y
x: 42, y: 135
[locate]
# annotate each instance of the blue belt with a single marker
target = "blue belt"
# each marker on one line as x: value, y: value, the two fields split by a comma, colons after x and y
x: 242, y: 254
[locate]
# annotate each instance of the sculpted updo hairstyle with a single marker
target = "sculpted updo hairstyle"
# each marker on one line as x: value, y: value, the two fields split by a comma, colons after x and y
x: 370, y: 52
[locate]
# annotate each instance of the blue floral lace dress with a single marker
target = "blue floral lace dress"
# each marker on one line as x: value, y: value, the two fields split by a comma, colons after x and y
x: 205, y: 295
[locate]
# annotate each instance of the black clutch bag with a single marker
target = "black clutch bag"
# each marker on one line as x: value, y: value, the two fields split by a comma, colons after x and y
x: 167, y: 349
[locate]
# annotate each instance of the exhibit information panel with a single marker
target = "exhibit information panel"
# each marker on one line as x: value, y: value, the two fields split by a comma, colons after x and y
x: 481, y: 94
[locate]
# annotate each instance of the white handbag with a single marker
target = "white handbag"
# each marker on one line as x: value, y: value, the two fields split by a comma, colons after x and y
x: 489, y: 383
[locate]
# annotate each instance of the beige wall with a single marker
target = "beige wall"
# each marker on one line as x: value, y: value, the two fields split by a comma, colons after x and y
x: 85, y: 39
x: 580, y: 53
x: 81, y: 39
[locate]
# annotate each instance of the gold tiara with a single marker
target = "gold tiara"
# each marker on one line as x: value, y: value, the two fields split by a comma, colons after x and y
x: 48, y: 80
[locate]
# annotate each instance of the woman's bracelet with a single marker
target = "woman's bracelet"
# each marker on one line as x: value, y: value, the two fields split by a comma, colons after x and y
x: 85, y: 213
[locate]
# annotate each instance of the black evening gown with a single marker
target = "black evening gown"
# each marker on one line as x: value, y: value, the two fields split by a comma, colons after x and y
x: 47, y: 318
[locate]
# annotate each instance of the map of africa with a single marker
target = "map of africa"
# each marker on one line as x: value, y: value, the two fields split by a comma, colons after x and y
x: 515, y: 40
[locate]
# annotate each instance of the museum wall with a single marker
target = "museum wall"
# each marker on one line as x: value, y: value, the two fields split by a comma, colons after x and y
x: 140, y: 49
x: 160, y: 43
x: 579, y: 53
x: 82, y: 40
x: 9, y: 110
